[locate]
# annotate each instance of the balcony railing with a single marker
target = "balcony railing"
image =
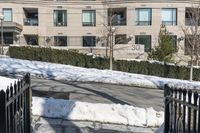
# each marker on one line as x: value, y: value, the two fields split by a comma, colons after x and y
x: 31, y: 22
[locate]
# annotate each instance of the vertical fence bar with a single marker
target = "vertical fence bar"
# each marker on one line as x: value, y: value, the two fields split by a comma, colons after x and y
x: 184, y: 108
x: 8, y: 110
x: 175, y: 110
x: 167, y: 114
x: 199, y: 115
x: 28, y: 91
x: 189, y: 111
x: 171, y: 109
x: 3, y: 112
x: 195, y: 112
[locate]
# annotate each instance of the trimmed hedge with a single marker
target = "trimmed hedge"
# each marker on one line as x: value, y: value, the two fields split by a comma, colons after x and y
x: 72, y: 57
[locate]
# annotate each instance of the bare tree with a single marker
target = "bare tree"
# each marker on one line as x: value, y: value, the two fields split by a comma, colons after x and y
x: 192, y: 35
x: 109, y: 31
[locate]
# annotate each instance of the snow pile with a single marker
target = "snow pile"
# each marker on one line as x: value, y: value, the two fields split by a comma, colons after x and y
x: 71, y: 73
x: 5, y: 82
x: 106, y: 113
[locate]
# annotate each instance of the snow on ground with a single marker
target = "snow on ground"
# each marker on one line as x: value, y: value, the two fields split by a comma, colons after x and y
x: 105, y: 113
x: 5, y: 82
x: 72, y: 73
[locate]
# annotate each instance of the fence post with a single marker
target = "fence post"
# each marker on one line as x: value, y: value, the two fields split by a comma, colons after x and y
x: 167, y: 115
x: 28, y: 102
x: 2, y: 112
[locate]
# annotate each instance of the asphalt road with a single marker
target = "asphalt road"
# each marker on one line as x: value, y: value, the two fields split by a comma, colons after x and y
x: 99, y: 93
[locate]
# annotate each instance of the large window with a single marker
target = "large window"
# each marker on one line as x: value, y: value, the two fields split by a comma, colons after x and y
x: 60, y: 18
x: 169, y: 16
x: 89, y: 41
x: 145, y: 40
x: 89, y: 18
x: 7, y: 12
x: 143, y: 16
x: 60, y: 40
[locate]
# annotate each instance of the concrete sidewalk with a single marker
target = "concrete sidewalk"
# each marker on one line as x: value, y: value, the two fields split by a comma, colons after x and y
x: 48, y: 125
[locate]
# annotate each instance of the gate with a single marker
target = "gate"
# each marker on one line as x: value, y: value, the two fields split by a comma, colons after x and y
x: 15, y: 107
x: 182, y: 110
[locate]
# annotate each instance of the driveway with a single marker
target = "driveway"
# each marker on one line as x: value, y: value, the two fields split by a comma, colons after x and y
x: 99, y: 93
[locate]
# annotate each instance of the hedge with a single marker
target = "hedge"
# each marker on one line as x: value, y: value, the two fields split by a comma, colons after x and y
x: 72, y: 57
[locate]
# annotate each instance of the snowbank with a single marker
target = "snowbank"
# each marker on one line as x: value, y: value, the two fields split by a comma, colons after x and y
x: 5, y: 82
x: 71, y: 73
x: 105, y: 113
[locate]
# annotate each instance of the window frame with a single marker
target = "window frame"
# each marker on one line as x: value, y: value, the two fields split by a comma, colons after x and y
x: 145, y: 49
x: 11, y: 14
x: 93, y: 23
x: 55, y: 14
x: 83, y: 44
x: 137, y: 21
x: 172, y: 22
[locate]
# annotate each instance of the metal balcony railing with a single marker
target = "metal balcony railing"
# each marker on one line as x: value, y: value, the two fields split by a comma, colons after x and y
x: 31, y: 21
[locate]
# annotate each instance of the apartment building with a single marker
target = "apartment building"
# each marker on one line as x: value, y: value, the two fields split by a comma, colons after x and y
x: 86, y: 24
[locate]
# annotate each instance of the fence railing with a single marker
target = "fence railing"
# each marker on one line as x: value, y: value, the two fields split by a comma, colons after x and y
x: 182, y: 110
x: 15, y: 107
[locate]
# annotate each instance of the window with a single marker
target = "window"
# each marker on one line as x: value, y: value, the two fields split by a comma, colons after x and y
x: 89, y: 17
x: 120, y: 39
x: 60, y: 40
x: 117, y: 16
x: 143, y: 16
x: 89, y: 41
x: 31, y: 39
x: 169, y: 16
x: 174, y: 41
x: 60, y: 18
x: 145, y: 40
x: 7, y: 12
x: 192, y: 16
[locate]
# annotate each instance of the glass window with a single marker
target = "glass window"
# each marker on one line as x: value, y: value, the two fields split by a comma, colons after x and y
x: 120, y: 39
x: 169, y: 16
x: 89, y: 41
x: 60, y: 40
x: 60, y: 17
x: 174, y: 41
x: 143, y: 16
x: 89, y: 18
x: 145, y: 40
x: 7, y: 12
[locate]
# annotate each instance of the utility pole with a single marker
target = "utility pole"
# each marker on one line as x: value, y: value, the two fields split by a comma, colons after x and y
x: 1, y: 18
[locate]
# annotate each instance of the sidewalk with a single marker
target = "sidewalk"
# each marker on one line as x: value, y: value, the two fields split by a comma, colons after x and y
x: 47, y: 125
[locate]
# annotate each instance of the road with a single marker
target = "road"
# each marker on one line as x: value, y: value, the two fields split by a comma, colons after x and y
x: 99, y: 93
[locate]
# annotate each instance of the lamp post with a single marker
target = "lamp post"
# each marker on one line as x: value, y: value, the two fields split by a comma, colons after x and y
x: 1, y: 18
x: 112, y: 30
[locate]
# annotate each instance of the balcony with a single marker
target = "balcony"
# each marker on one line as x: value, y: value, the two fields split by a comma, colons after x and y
x: 31, y: 22
x: 30, y: 16
x: 12, y: 27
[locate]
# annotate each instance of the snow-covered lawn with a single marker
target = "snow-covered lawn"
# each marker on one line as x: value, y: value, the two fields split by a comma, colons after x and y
x: 105, y: 113
x: 72, y: 73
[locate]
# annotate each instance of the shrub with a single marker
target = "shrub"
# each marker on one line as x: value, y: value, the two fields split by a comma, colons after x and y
x: 72, y: 57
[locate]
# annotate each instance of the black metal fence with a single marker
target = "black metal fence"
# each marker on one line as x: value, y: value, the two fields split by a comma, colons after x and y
x: 182, y: 110
x: 15, y: 107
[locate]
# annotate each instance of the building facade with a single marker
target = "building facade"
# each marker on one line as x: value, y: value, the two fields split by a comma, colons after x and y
x: 87, y: 24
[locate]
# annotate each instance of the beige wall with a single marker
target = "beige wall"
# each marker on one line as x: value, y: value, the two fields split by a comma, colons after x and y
x: 74, y: 20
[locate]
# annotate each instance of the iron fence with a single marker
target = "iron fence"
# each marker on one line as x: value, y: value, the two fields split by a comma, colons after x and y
x: 182, y: 110
x: 15, y: 107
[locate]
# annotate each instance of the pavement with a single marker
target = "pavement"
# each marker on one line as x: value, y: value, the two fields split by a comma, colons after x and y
x: 99, y: 93
x: 94, y: 93
x: 47, y: 125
